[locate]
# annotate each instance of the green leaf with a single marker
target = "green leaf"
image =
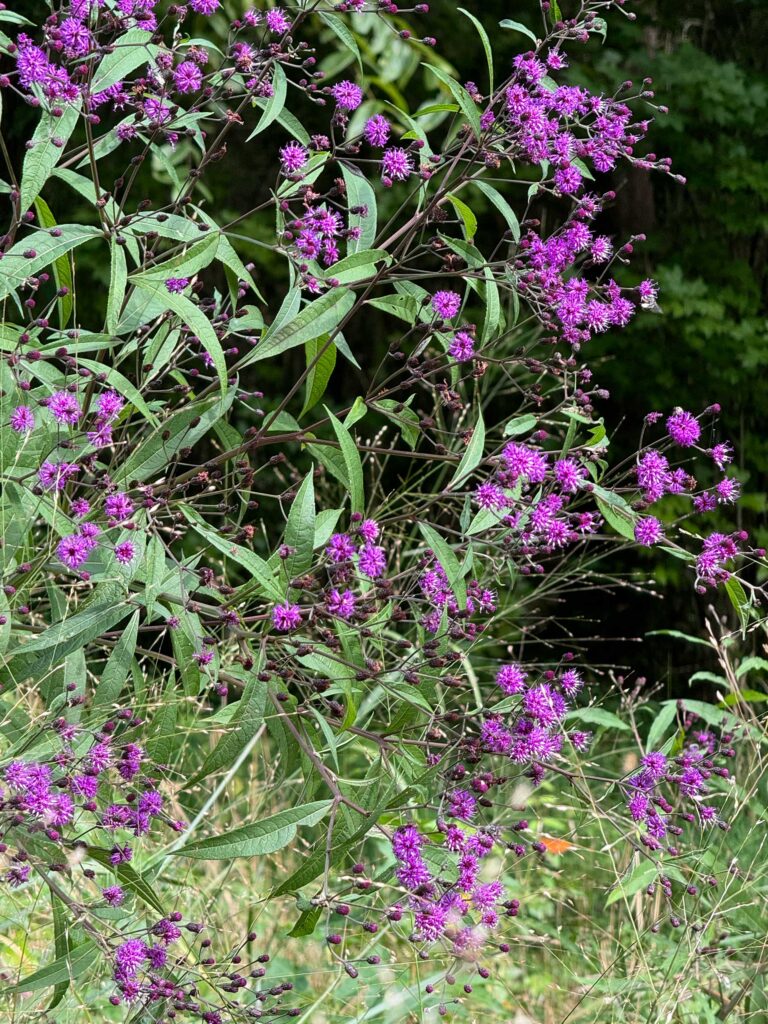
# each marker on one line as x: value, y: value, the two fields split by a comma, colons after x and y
x: 62, y: 271
x: 118, y: 666
x: 501, y: 205
x: 468, y: 218
x: 352, y: 462
x: 616, y: 511
x: 62, y: 638
x: 300, y: 531
x: 739, y: 600
x: 43, y: 155
x: 322, y: 316
x: 360, y: 194
x: 248, y: 560
x: 520, y: 425
x: 660, y: 724
x: 246, y: 721
x: 339, y: 28
x: 515, y: 26
x: 152, y: 456
x: 118, y: 279
x: 486, y: 45
x: 262, y: 837
x: 197, y: 257
x: 598, y: 716
x: 449, y: 562
x: 62, y: 969
x: 129, y: 52
x: 47, y: 248
x: 357, y: 266
x: 678, y: 636
x: 193, y: 318
x: 275, y: 103
x: 473, y: 453
x: 460, y: 94
x: 320, y: 373
x: 640, y: 877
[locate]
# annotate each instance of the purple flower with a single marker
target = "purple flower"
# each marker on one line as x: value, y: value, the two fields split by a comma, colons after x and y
x: 187, y: 77
x: 286, y: 616
x: 683, y: 428
x: 727, y: 490
x: 340, y: 548
x: 396, y: 165
x: 277, y: 22
x: 462, y: 347
x: 462, y: 804
x: 114, y: 895
x: 544, y: 705
x: 372, y: 561
x: 568, y: 179
x: 348, y: 96
x: 118, y: 507
x: 341, y: 604
x: 204, y: 6
x: 648, y: 531
x: 293, y: 157
x: 569, y: 475
x: 376, y: 130
x: 721, y: 454
x: 73, y: 551
x: 601, y: 250
x: 131, y: 955
x: 176, y: 285
x: 652, y: 475
x: 109, y: 404
x: 22, y: 419
x: 75, y: 37
x: 446, y: 304
x: 157, y: 112
x: 369, y: 529
x: 486, y: 895
x: 511, y: 679
x: 64, y: 407
x: 125, y: 552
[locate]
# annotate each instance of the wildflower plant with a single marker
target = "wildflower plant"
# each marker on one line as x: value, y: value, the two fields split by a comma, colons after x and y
x: 238, y: 623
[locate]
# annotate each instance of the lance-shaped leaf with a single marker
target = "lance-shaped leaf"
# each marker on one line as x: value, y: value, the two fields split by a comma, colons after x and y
x: 42, y: 248
x: 257, y: 567
x: 300, y: 531
x: 320, y: 370
x: 352, y: 463
x: 193, y: 318
x: 462, y: 97
x: 320, y: 317
x: 62, y: 970
x: 245, y: 724
x: 261, y: 837
x: 118, y: 665
x: 46, y: 148
x: 62, y: 271
x: 473, y: 453
x: 448, y: 560
x: 129, y: 52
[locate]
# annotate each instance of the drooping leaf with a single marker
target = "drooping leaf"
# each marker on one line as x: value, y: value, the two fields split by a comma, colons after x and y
x: 246, y: 721
x: 62, y: 969
x: 274, y: 105
x: 361, y: 197
x: 460, y: 94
